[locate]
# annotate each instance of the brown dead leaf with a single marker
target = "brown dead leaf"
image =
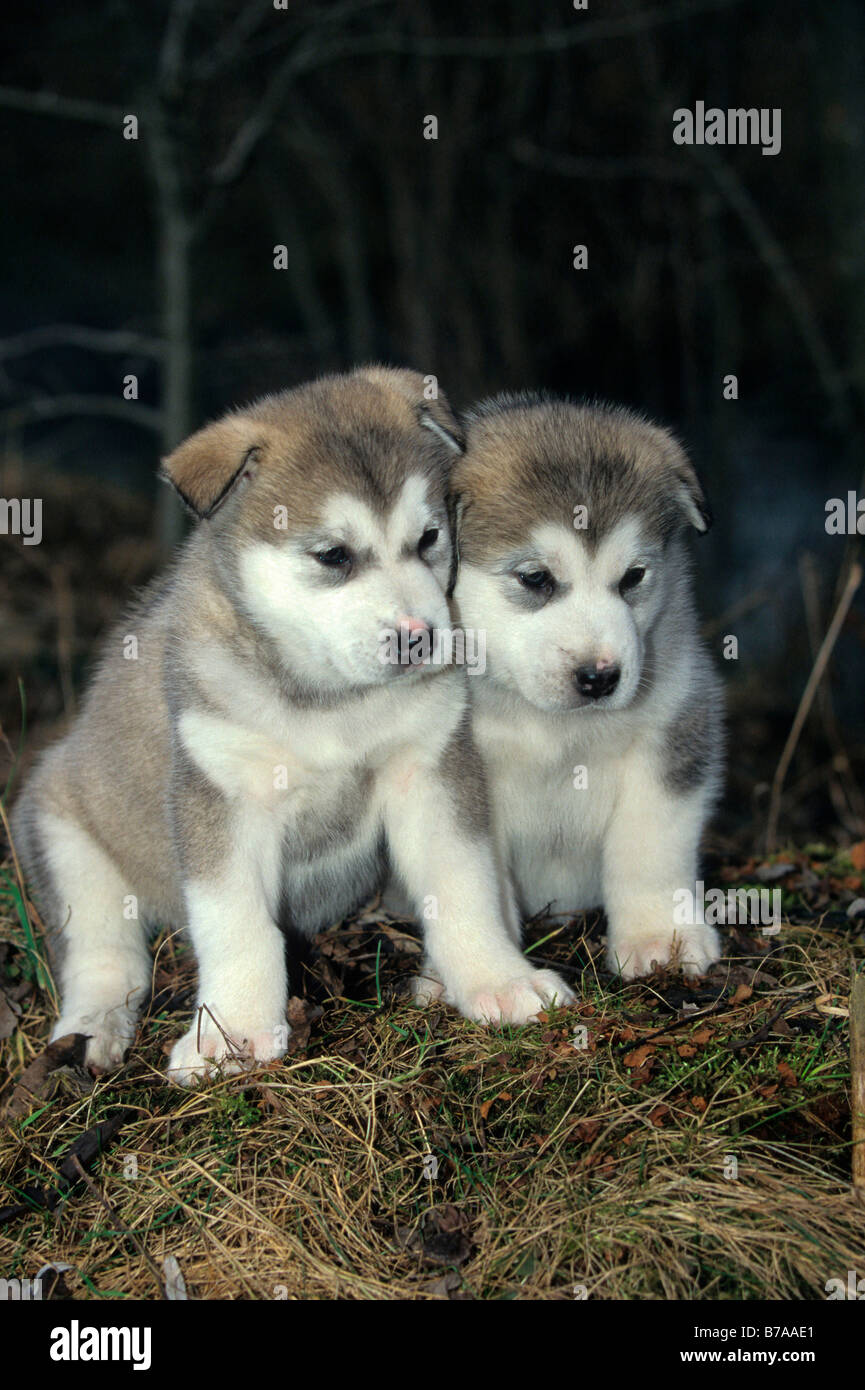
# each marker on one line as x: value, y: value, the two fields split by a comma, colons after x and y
x: 686, y: 1050
x: 702, y: 1036
x: 334, y: 948
x: 272, y: 1101
x: 857, y: 856
x: 638, y: 1057
x: 699, y: 1104
x: 787, y: 1074
x: 768, y: 1091
x: 37, y: 1081
x: 584, y: 1131
x: 402, y: 941
x: 82, y: 1155
x: 658, y: 1114
x: 301, y: 1016
x: 446, y: 1236
x: 641, y: 1075
x: 92, y: 1144
x: 743, y: 993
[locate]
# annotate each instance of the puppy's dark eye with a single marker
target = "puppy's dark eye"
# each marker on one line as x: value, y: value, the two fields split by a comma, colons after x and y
x: 631, y: 578
x: 334, y: 558
x: 536, y: 579
x: 428, y: 539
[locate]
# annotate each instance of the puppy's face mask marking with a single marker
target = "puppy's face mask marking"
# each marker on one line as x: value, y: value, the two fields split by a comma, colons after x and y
x: 568, y: 540
x: 328, y: 514
x: 567, y: 627
x: 329, y: 595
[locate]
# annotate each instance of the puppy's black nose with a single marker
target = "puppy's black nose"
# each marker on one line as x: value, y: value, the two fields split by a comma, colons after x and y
x: 415, y: 637
x: 595, y: 682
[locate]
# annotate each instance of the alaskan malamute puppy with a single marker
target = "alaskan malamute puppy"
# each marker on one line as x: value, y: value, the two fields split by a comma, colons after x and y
x: 599, y: 716
x: 245, y: 759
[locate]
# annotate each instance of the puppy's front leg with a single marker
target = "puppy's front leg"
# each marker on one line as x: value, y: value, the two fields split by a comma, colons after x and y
x: 650, y: 853
x: 440, y: 846
x: 242, y: 985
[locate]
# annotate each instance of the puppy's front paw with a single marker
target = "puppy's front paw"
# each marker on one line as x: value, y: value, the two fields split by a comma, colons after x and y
x: 110, y: 1033
x: 639, y: 950
x: 427, y: 988
x: 517, y: 1000
x: 205, y: 1050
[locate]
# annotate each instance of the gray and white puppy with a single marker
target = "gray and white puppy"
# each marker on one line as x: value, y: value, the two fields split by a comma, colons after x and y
x: 599, y: 717
x: 245, y: 760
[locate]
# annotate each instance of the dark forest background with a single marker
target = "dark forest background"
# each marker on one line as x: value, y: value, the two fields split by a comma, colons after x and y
x: 303, y: 127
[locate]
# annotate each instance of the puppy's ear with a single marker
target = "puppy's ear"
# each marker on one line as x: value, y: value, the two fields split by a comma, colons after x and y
x: 212, y: 463
x: 431, y: 405
x: 456, y: 507
x: 435, y: 414
x: 693, y: 498
x: 449, y: 436
x: 689, y: 489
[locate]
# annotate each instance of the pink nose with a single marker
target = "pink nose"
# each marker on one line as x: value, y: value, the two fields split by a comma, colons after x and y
x: 409, y: 625
x: 413, y: 640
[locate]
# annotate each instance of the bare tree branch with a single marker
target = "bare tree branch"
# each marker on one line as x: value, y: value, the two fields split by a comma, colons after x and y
x: 326, y: 168
x: 309, y: 54
x: 583, y: 167
x: 76, y: 335
x: 327, y: 14
x: 56, y: 407
x: 778, y: 263
x: 768, y: 247
x: 170, y: 63
x: 231, y: 43
x: 528, y: 45
x: 240, y: 151
x: 53, y: 104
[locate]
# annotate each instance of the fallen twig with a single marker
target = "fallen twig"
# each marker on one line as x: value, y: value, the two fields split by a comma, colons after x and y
x: 854, y: 579
x: 93, y: 1188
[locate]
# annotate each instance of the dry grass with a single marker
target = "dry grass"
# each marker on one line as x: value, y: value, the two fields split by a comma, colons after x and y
x: 608, y: 1166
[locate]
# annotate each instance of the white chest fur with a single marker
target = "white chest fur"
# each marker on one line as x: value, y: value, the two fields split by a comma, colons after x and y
x: 554, y: 784
x: 319, y: 777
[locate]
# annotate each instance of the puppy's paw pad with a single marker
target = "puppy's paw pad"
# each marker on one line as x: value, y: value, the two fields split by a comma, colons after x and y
x: 556, y: 992
x: 202, y: 1054
x: 426, y: 989
x: 689, y: 949
x: 109, y: 1036
x: 700, y: 948
x: 518, y: 1001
